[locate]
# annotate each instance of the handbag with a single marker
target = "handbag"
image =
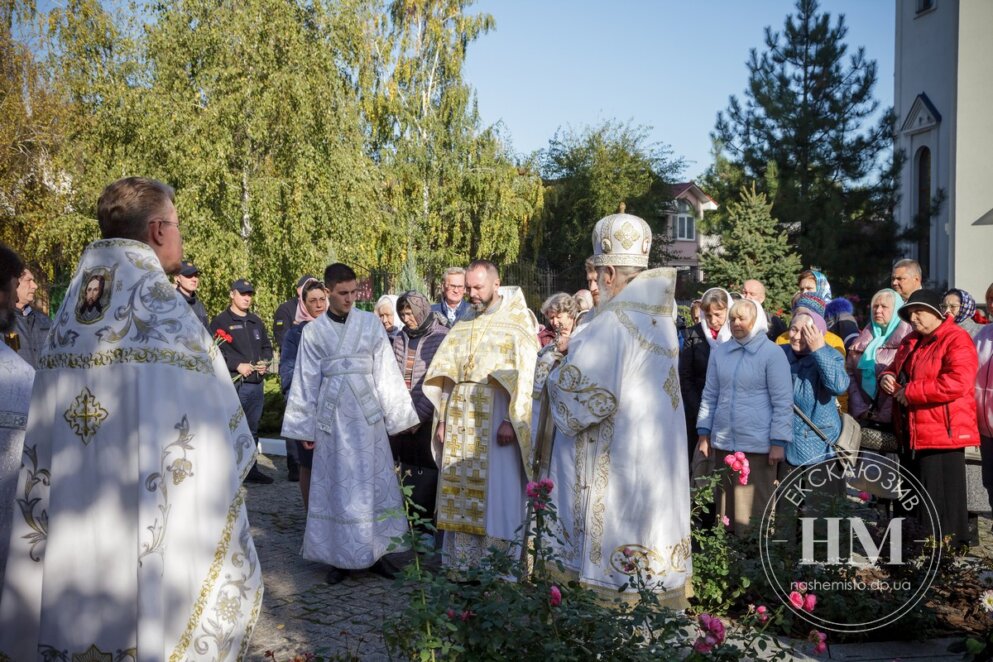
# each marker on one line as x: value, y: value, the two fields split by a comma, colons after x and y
x: 879, y: 437
x: 424, y: 480
x: 846, y: 448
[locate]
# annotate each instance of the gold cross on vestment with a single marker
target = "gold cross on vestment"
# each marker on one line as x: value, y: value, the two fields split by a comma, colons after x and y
x: 450, y: 511
x: 85, y: 415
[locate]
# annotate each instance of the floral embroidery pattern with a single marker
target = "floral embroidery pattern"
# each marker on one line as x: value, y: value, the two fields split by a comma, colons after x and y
x: 598, y: 401
x: 127, y: 355
x: 601, y: 478
x: 180, y: 468
x: 28, y: 504
x: 671, y: 387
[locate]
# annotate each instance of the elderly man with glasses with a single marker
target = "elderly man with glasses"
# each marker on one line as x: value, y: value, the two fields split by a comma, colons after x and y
x: 453, y: 306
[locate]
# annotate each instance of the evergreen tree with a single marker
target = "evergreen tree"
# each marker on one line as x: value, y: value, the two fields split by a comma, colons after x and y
x: 807, y: 110
x: 753, y: 246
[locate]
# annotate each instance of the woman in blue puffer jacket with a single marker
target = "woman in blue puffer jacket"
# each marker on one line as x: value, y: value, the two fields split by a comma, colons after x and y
x: 746, y: 407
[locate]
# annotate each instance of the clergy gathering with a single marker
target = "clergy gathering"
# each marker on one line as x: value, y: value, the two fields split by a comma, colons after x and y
x: 130, y: 423
x: 485, y: 330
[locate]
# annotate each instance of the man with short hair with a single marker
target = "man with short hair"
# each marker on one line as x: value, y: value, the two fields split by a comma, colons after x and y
x: 15, y: 392
x: 453, y: 306
x: 187, y: 283
x: 31, y: 325
x: 907, y: 277
x: 754, y: 290
x: 346, y: 397
x: 480, y: 382
x: 247, y: 356
x: 591, y: 281
x: 132, y: 539
x: 621, y: 488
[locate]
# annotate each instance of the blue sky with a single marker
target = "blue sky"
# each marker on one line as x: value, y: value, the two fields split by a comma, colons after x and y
x: 660, y: 63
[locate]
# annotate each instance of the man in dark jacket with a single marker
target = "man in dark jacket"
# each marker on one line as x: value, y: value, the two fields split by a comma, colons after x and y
x: 247, y: 356
x: 31, y: 325
x: 187, y: 282
x: 286, y: 313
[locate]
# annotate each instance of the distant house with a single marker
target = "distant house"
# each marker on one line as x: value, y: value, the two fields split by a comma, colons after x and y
x: 689, y: 205
x: 942, y: 99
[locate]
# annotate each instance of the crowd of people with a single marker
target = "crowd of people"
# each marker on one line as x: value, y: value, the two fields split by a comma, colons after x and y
x: 130, y: 420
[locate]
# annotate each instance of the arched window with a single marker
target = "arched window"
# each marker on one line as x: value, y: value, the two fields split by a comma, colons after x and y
x: 922, y: 218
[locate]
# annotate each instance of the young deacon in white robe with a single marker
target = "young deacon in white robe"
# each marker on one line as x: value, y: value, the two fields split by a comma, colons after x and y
x: 131, y: 539
x: 480, y: 382
x: 619, y: 457
x: 347, y: 396
x: 16, y: 377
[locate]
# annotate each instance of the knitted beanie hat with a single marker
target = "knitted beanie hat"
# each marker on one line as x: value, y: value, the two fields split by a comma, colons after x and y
x: 811, y: 302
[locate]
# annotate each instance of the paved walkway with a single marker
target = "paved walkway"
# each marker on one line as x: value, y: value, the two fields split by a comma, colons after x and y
x: 302, y: 614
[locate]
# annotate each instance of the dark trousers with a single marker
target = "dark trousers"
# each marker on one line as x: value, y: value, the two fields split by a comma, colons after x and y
x: 942, y: 472
x: 986, y: 453
x: 252, y: 399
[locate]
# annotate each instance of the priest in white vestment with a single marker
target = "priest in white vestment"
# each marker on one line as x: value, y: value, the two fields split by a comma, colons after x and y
x: 621, y: 486
x: 131, y: 538
x: 347, y: 396
x: 16, y: 377
x: 480, y: 382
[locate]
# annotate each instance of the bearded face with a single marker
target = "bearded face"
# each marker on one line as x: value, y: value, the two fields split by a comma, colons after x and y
x: 93, y: 291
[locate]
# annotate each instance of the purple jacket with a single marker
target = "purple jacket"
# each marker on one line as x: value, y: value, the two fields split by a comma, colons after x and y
x: 859, y: 401
x: 427, y: 345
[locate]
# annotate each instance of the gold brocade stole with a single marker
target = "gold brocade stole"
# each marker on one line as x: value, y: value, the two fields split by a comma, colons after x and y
x: 465, y: 459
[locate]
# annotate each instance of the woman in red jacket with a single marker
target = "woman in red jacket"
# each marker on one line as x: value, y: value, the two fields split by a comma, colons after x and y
x: 932, y: 380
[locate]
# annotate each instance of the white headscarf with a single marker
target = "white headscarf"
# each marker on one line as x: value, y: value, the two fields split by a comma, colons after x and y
x: 724, y: 333
x: 761, y: 321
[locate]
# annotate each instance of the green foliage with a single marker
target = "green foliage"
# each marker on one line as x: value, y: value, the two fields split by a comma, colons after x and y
x: 719, y: 578
x: 588, y: 174
x: 808, y: 110
x: 512, y: 607
x: 753, y: 245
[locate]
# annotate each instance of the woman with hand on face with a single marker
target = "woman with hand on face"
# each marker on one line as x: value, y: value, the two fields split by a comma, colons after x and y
x: 747, y: 406
x: 562, y: 312
x: 932, y: 380
x: 712, y: 330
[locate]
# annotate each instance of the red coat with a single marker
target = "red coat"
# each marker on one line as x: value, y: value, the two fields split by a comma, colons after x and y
x: 941, y: 411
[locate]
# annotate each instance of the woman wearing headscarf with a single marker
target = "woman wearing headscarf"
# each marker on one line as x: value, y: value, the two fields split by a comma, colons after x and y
x: 386, y: 311
x: 414, y: 348
x: 712, y: 330
x: 747, y: 406
x: 932, y: 381
x: 960, y: 305
x: 563, y: 315
x: 871, y: 354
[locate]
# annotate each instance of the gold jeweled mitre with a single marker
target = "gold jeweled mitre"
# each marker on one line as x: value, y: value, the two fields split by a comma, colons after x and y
x: 621, y: 240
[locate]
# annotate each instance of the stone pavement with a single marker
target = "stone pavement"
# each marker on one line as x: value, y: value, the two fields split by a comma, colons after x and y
x: 302, y: 614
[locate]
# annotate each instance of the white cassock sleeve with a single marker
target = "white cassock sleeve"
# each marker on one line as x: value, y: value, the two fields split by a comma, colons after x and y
x: 394, y: 398
x: 300, y: 418
x: 583, y: 389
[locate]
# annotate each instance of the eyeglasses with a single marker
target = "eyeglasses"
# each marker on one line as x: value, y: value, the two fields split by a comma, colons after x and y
x: 455, y: 287
x: 164, y: 222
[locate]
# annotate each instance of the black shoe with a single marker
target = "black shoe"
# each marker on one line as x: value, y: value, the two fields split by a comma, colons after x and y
x: 335, y: 576
x: 380, y: 569
x: 256, y: 476
x: 293, y: 474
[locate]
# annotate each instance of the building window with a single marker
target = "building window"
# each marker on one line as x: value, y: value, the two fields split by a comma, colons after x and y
x: 924, y: 6
x: 685, y: 228
x: 923, y: 218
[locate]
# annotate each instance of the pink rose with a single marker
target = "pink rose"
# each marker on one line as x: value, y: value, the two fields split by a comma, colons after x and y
x: 809, y: 602
x: 743, y: 479
x: 450, y: 613
x: 820, y: 648
x: 796, y: 600
x: 725, y: 521
x: 701, y: 646
x: 864, y: 496
x: 729, y: 460
x: 761, y: 609
x: 539, y: 505
x: 738, y: 455
x: 547, y: 484
x: 704, y: 620
x: 532, y: 490
x: 466, y: 615
x: 736, y: 465
x: 554, y: 596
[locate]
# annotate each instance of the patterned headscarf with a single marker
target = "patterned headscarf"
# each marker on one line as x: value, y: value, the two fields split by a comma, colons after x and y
x: 420, y: 307
x: 968, y: 308
x: 867, y: 363
x: 823, y: 286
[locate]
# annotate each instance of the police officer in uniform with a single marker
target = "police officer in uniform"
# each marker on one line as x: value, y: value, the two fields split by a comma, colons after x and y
x: 187, y: 282
x: 248, y: 354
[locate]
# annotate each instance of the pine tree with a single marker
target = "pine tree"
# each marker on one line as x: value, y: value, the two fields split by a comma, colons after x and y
x: 753, y: 246
x: 808, y: 110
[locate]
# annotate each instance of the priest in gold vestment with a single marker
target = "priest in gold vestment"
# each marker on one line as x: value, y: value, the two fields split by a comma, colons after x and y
x: 480, y: 382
